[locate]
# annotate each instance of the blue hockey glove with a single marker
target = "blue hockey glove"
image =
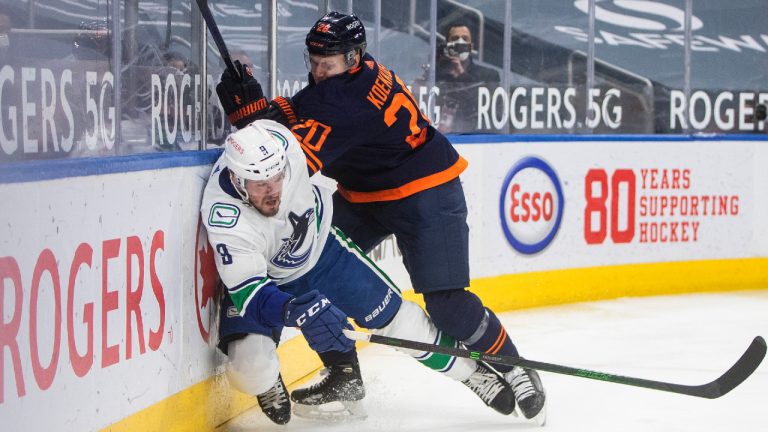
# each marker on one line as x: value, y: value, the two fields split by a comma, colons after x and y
x: 241, y: 97
x: 319, y: 321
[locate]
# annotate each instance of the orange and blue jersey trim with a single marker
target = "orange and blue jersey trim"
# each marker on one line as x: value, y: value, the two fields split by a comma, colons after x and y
x: 407, y: 189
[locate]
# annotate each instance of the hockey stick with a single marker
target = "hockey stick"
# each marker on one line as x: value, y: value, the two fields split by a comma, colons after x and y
x: 217, y: 38
x: 734, y: 376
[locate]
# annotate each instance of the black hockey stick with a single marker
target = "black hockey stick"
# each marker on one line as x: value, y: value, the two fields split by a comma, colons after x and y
x: 734, y: 376
x: 217, y: 39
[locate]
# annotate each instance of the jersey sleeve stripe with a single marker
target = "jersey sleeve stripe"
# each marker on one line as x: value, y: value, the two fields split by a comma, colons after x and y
x: 247, y: 282
x: 242, y: 296
x: 407, y: 189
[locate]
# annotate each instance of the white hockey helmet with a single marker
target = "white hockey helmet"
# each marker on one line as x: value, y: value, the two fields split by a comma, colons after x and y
x: 256, y: 152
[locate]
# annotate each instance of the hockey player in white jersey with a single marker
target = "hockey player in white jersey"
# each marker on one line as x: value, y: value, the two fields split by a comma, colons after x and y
x: 284, y: 264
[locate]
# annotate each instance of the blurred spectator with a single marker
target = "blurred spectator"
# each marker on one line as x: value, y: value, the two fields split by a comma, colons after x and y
x: 455, y: 62
x: 176, y: 60
x: 93, y: 42
x: 459, y: 78
x: 5, y: 36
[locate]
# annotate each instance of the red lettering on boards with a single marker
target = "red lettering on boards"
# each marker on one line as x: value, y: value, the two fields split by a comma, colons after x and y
x: 46, y: 295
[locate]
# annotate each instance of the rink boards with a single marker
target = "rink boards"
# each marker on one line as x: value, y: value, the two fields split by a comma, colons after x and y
x: 108, y: 283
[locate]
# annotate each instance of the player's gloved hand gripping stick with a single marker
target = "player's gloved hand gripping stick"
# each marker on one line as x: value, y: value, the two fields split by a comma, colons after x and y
x: 240, y: 93
x: 244, y: 102
x: 241, y: 96
x: 320, y: 322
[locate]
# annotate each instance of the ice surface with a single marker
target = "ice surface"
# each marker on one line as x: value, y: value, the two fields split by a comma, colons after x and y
x: 688, y: 339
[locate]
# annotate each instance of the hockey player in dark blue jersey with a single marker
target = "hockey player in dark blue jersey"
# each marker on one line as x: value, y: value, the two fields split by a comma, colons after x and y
x: 358, y: 124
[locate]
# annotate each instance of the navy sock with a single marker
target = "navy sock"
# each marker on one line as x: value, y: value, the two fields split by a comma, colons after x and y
x: 491, y: 337
x: 461, y: 314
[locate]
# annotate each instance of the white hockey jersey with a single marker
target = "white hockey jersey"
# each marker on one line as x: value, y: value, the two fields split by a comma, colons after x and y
x: 252, y: 249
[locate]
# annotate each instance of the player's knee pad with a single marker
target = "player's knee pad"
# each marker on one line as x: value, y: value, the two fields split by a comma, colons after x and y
x: 412, y: 323
x: 252, y: 365
x: 457, y: 312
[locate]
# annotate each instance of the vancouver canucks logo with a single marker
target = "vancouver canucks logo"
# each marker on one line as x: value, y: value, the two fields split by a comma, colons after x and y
x: 288, y: 256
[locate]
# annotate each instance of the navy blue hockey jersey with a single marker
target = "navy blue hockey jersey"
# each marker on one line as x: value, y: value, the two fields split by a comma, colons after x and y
x: 363, y: 128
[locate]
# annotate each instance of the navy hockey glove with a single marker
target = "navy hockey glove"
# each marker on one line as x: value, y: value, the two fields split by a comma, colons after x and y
x: 281, y: 111
x: 242, y: 99
x: 320, y: 322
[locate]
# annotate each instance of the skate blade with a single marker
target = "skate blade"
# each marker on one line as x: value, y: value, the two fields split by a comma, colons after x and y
x: 337, y: 411
x: 540, y: 419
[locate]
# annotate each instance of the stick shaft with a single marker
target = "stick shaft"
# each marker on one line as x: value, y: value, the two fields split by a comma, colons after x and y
x: 210, y: 22
x: 740, y: 371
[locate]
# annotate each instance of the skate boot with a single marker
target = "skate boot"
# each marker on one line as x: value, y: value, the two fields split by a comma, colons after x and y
x: 337, y: 397
x: 492, y: 389
x: 274, y: 403
x: 529, y: 393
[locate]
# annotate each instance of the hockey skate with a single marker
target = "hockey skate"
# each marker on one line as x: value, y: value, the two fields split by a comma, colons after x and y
x: 492, y: 389
x: 529, y: 394
x: 274, y: 403
x: 337, y: 397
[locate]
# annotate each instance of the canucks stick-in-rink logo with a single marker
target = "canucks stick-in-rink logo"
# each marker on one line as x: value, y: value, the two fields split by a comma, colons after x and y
x: 531, y: 205
x: 290, y: 255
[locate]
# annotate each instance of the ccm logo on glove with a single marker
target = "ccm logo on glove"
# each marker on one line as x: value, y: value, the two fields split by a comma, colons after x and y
x: 320, y: 322
x: 311, y: 311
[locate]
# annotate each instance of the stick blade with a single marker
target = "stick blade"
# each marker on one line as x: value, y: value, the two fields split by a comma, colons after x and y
x: 740, y: 371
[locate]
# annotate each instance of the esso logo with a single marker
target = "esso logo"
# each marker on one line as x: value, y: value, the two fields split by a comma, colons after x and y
x: 531, y: 205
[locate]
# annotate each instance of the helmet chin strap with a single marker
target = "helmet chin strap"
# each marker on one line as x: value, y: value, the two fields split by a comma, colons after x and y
x: 349, y: 58
x: 239, y: 185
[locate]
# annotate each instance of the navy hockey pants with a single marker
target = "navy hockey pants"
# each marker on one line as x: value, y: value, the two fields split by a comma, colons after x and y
x: 349, y: 279
x: 431, y: 231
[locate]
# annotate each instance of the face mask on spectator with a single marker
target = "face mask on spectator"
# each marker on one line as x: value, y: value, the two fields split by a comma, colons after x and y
x: 459, y: 48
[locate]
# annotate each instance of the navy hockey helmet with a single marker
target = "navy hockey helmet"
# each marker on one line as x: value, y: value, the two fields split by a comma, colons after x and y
x: 336, y: 33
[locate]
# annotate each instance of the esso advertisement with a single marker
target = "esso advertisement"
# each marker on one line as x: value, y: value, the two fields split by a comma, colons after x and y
x: 610, y: 202
x: 531, y: 205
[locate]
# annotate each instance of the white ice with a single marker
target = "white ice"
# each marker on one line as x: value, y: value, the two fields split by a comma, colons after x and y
x: 687, y: 339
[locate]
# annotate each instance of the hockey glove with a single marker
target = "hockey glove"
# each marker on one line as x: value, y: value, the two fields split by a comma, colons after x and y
x: 319, y: 321
x: 281, y: 111
x: 242, y: 99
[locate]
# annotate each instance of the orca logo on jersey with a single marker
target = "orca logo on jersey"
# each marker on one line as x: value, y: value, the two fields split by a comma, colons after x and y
x: 289, y: 255
x: 531, y: 205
